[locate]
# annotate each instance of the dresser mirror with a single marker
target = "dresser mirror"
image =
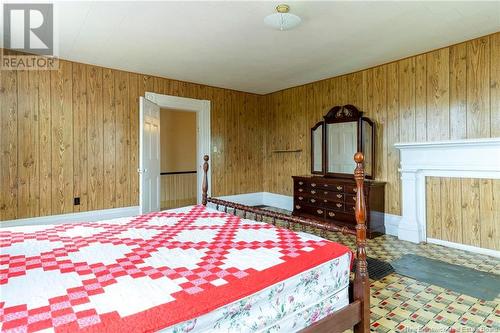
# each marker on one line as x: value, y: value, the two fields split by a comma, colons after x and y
x: 336, y: 139
x: 317, y: 148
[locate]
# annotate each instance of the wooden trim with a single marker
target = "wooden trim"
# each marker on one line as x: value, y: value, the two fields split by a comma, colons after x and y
x: 357, y: 313
x: 177, y: 173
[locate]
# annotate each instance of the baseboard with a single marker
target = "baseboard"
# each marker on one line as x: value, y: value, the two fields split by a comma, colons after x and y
x: 91, y: 216
x: 249, y: 199
x: 464, y: 247
x: 391, y: 223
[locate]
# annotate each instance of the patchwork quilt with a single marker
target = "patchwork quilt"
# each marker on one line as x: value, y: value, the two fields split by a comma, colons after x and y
x: 145, y: 273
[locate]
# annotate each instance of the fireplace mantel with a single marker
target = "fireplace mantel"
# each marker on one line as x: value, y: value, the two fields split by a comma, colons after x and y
x: 471, y: 158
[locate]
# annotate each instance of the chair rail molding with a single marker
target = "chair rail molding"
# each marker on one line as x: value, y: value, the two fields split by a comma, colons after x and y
x: 471, y: 158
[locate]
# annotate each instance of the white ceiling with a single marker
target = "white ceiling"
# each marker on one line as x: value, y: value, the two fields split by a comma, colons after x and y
x: 226, y: 44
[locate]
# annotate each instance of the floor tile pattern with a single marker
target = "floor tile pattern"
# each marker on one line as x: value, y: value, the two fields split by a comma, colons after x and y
x: 401, y: 304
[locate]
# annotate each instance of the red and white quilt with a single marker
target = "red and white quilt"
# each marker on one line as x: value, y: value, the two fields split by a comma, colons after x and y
x: 144, y: 273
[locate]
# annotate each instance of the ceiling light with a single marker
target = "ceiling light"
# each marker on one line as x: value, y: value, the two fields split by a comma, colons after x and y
x: 282, y: 19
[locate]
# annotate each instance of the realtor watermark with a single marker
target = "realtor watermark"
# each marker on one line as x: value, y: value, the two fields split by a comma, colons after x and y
x: 28, y: 37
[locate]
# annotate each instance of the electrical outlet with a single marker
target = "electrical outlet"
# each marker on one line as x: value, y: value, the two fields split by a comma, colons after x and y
x: 76, y: 201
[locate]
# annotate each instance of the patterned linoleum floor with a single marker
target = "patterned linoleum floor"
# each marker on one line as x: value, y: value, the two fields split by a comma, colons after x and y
x: 401, y: 304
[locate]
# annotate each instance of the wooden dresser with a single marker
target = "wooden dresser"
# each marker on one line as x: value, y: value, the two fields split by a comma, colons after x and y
x: 333, y: 199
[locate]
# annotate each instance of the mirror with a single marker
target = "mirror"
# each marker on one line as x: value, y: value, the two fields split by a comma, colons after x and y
x: 317, y: 148
x: 336, y: 139
x: 368, y: 146
x: 342, y: 143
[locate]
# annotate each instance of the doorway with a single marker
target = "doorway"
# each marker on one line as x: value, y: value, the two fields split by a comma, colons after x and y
x: 178, y: 158
x: 149, y: 142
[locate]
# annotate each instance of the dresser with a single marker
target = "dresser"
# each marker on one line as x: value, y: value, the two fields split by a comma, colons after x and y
x: 333, y: 200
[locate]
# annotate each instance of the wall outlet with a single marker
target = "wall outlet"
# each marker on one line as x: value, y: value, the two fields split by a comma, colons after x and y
x: 76, y: 201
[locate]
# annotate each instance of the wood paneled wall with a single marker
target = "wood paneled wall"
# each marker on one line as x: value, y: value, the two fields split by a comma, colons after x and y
x: 451, y: 93
x: 74, y: 133
x: 178, y: 190
x: 465, y: 211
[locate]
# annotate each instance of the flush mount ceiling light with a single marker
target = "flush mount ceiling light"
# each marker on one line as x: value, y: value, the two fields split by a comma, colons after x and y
x: 282, y: 19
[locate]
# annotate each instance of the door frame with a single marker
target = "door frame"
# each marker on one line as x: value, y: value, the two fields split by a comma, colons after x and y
x: 203, y: 137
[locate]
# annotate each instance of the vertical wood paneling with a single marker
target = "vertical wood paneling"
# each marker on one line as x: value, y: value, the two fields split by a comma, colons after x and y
x: 45, y: 143
x: 421, y: 98
x: 471, y: 226
x: 495, y: 84
x: 489, y: 191
x: 478, y: 88
x: 438, y: 115
x: 434, y: 209
x: 109, y: 138
x: 458, y: 91
x: 95, y: 138
x: 134, y: 138
x: 62, y: 138
x: 393, y: 188
x: 451, y: 225
x: 8, y: 140
x: 80, y: 159
x: 407, y: 100
x: 27, y: 155
x: 122, y: 138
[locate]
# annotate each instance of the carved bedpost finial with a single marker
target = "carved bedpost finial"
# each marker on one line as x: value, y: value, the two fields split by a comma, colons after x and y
x: 361, y: 281
x: 204, y: 184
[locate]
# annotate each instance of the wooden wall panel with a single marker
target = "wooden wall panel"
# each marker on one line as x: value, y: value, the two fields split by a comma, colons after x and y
x: 178, y: 190
x: 8, y: 140
x: 478, y: 88
x: 451, y: 93
x: 27, y: 131
x: 62, y: 138
x: 109, y: 120
x: 76, y: 134
x: 95, y: 132
x: 464, y: 210
x: 80, y: 156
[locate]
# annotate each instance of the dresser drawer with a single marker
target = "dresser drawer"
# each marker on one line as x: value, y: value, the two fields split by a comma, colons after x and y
x: 337, y: 206
x: 310, y: 210
x: 339, y: 216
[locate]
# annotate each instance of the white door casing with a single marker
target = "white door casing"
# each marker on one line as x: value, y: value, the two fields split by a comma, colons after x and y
x: 202, y: 109
x: 149, y: 157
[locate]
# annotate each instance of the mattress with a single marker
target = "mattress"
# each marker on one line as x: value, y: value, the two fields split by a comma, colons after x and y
x: 190, y: 269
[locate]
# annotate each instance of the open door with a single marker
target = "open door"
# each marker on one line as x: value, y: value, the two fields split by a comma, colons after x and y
x: 149, y: 159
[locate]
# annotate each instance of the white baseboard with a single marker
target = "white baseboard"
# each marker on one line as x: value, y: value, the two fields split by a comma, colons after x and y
x: 391, y: 223
x: 249, y: 199
x: 91, y: 216
x: 464, y: 247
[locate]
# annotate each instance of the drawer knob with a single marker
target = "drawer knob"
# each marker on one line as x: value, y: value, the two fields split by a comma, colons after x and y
x: 313, y: 200
x: 325, y: 185
x: 355, y: 190
x: 354, y: 208
x: 354, y: 198
x: 297, y: 206
x: 313, y: 192
x: 331, y: 214
x: 301, y: 198
x: 339, y: 196
x: 301, y: 183
x: 325, y: 201
x: 339, y: 188
x: 319, y: 211
x: 313, y: 184
x: 301, y: 190
x: 325, y: 192
x: 339, y: 205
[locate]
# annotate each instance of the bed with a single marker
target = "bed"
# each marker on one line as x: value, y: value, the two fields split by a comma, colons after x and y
x: 193, y: 269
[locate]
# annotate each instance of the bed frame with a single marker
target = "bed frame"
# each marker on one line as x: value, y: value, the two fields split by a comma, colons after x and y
x: 355, y: 315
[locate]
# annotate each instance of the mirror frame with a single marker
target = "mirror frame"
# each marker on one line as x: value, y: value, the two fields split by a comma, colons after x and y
x: 342, y: 114
x: 315, y: 127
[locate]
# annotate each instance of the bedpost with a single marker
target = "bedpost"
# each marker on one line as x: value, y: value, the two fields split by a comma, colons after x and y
x: 361, y: 280
x: 204, y: 184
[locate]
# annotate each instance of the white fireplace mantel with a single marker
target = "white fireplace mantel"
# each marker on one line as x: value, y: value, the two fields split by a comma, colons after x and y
x: 472, y: 158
